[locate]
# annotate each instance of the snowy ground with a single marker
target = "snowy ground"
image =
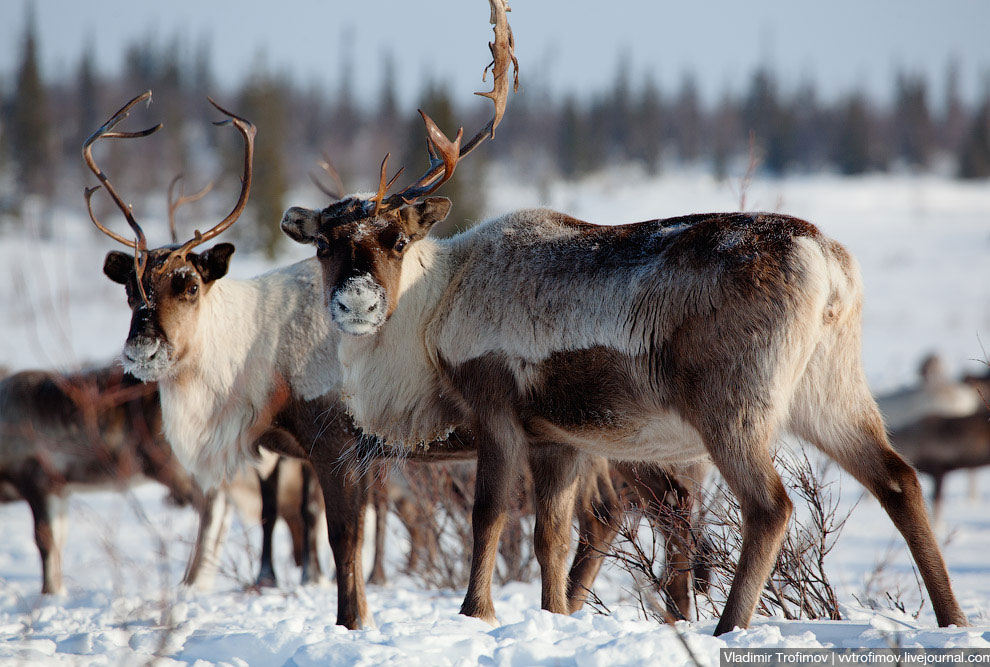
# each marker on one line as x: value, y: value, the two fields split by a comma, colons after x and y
x: 924, y: 246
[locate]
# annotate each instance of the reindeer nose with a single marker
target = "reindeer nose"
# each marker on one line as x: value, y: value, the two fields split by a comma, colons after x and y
x: 357, y: 301
x: 141, y: 349
x: 359, y: 298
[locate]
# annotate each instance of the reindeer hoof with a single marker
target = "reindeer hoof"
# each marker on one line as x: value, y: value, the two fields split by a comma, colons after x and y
x: 266, y: 580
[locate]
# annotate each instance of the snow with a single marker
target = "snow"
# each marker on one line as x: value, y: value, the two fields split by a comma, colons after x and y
x: 924, y: 247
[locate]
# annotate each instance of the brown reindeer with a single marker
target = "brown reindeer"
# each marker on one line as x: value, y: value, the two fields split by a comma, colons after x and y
x: 921, y: 419
x: 101, y: 428
x: 91, y: 429
x: 664, y: 341
x: 936, y: 394
x: 246, y: 364
x: 936, y: 445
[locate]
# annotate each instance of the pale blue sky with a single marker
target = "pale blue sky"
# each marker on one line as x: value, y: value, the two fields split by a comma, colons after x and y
x: 575, y: 45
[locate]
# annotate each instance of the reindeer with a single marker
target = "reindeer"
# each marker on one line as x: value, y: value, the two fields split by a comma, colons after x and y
x: 666, y: 341
x: 102, y: 428
x: 60, y: 433
x: 283, y: 488
x: 935, y: 395
x: 248, y: 364
x: 939, y: 425
x: 936, y: 445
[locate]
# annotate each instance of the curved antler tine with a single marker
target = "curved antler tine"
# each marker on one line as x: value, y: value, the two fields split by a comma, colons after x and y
x: 449, y: 151
x: 171, y: 207
x: 121, y: 113
x: 444, y: 154
x: 503, y: 53
x: 233, y: 117
x: 329, y: 192
x: 88, y: 194
x: 104, y: 131
x: 382, y: 185
x: 327, y: 165
x: 141, y: 261
x: 175, y: 204
x: 248, y: 132
x: 189, y: 199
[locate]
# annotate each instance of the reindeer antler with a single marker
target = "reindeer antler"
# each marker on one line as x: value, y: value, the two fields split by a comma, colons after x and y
x: 183, y: 199
x: 444, y: 153
x: 248, y: 131
x: 326, y: 165
x: 140, y: 243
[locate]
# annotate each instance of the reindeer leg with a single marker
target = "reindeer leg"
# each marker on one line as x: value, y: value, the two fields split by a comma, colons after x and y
x: 555, y: 473
x: 410, y: 516
x: 346, y: 499
x: 45, y: 537
x: 863, y: 451
x: 677, y: 561
x: 599, y: 512
x: 269, y: 515
x: 380, y: 496
x: 498, y: 465
x: 836, y: 412
x: 937, y: 497
x: 214, y: 520
x: 744, y: 460
x: 312, y: 573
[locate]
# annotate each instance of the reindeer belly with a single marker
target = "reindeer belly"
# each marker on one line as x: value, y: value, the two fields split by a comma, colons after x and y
x: 662, y: 437
x: 606, y: 402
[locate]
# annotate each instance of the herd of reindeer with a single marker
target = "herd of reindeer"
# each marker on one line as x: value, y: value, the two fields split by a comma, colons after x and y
x: 611, y: 361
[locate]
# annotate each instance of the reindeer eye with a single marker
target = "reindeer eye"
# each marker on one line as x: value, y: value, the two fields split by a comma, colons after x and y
x: 192, y: 289
x: 400, y: 244
x: 322, y: 247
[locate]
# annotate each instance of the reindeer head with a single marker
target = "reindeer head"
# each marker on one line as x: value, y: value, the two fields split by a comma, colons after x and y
x: 165, y: 286
x: 361, y: 241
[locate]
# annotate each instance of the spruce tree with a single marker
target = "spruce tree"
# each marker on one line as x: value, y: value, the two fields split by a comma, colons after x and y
x: 29, y: 127
x: 686, y: 120
x: 851, y: 149
x: 647, y: 127
x: 466, y: 189
x: 771, y: 121
x: 953, y: 123
x: 569, y: 138
x: 263, y: 102
x: 914, y: 133
x: 87, y: 98
x: 974, y: 159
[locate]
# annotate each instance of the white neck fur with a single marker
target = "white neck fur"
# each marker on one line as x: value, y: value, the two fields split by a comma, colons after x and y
x: 390, y: 380
x: 253, y: 337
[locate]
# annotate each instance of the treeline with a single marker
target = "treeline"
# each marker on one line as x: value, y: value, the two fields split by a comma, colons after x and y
x: 43, y: 124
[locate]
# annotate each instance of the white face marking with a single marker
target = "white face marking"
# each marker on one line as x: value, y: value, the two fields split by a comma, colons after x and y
x: 358, y: 307
x: 147, y: 359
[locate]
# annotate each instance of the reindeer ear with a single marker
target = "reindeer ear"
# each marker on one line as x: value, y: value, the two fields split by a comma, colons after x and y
x: 118, y: 266
x: 301, y: 224
x: 213, y: 263
x: 418, y: 218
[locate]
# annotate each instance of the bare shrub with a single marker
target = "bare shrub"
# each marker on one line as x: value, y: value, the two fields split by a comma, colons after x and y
x: 436, y: 511
x: 798, y: 587
x: 885, y: 589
